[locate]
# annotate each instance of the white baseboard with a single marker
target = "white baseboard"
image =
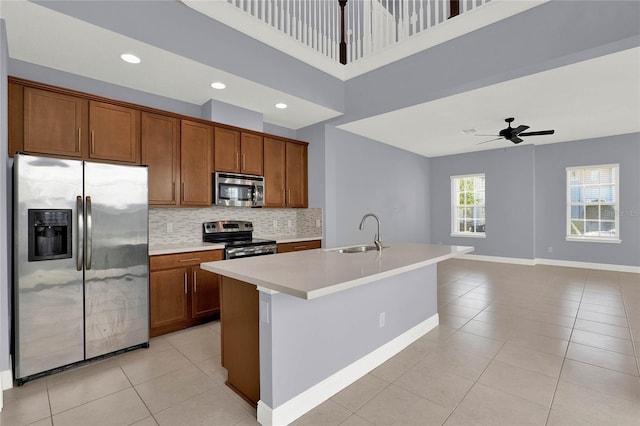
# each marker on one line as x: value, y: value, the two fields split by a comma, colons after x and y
x: 6, y: 379
x: 498, y: 259
x: 317, y: 394
x: 552, y: 262
x: 589, y: 265
x: 6, y: 382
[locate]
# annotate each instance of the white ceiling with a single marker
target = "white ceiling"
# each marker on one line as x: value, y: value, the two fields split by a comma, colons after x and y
x: 598, y: 97
x: 593, y: 98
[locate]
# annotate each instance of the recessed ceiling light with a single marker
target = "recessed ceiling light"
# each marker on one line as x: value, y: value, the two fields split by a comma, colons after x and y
x: 280, y: 105
x: 218, y: 85
x: 469, y: 131
x: 128, y: 57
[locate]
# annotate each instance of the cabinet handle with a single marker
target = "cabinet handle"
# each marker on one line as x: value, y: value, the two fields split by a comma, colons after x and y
x: 79, y: 139
x: 195, y: 282
x: 185, y: 283
x: 93, y: 139
x: 237, y: 160
x: 243, y: 161
x: 189, y: 260
x: 299, y: 247
x: 284, y: 195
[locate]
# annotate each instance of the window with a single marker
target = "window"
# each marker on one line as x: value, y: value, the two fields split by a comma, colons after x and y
x: 592, y: 203
x: 467, y: 206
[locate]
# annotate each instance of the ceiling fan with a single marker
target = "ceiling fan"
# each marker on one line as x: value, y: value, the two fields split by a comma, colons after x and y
x: 513, y: 134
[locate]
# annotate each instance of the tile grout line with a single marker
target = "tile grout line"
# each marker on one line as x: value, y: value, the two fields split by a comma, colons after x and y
x: 564, y: 358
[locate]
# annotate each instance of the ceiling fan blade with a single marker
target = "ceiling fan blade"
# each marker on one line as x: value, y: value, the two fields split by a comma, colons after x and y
x: 486, y: 135
x: 490, y: 140
x: 538, y: 133
x: 516, y: 140
x: 519, y: 129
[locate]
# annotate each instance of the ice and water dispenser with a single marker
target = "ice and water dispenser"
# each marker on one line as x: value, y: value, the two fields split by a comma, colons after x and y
x: 49, y: 234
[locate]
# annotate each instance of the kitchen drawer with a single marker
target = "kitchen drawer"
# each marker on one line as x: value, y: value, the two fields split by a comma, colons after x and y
x: 299, y: 246
x: 167, y: 261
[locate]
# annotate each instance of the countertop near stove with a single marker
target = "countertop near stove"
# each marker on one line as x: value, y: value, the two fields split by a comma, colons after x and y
x: 314, y: 273
x: 158, y: 249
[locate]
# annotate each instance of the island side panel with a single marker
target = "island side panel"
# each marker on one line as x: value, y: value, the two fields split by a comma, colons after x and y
x: 239, y: 334
x: 304, y: 342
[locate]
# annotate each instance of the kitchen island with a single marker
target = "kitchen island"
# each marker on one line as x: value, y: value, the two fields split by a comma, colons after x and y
x: 321, y: 319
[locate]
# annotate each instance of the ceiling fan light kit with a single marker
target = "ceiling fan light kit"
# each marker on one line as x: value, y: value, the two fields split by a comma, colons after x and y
x: 513, y: 134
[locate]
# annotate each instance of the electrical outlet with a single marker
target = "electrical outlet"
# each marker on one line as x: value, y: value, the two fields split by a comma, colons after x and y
x: 169, y: 227
x: 275, y: 223
x: 550, y: 249
x: 382, y: 319
x: 317, y: 223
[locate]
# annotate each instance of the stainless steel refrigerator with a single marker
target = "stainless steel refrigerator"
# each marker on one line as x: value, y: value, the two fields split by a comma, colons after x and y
x: 81, y: 275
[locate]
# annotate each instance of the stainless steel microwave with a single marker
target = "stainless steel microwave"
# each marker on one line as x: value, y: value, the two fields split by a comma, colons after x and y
x: 230, y: 189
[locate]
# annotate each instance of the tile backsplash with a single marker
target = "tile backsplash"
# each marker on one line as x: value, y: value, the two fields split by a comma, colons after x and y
x: 184, y: 225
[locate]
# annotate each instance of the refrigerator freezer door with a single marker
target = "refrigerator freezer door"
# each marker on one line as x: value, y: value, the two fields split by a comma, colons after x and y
x: 48, y: 294
x: 117, y: 280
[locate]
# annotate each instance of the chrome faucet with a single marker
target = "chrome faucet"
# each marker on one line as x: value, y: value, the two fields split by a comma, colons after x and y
x: 376, y: 239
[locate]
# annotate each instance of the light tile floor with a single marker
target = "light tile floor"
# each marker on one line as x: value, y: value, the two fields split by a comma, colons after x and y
x: 516, y: 345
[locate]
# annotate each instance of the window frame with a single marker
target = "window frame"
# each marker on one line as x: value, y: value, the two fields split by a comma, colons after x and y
x: 454, y: 207
x: 593, y: 239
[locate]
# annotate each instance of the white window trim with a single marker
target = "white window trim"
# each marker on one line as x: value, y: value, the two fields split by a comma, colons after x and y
x: 576, y: 238
x: 453, y: 208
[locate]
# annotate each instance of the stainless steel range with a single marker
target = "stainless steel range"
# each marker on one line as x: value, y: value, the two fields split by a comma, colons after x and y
x: 237, y: 236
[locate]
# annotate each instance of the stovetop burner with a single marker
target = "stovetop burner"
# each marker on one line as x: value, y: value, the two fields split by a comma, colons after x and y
x: 237, y: 236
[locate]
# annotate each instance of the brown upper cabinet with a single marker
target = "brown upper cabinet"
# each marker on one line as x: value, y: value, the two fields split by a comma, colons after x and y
x: 70, y: 126
x: 160, y: 138
x: 196, y: 163
x: 54, y: 123
x: 285, y: 173
x: 237, y: 152
x: 114, y: 133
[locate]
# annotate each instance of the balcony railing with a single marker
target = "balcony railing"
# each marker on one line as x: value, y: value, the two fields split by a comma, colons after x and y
x: 369, y: 25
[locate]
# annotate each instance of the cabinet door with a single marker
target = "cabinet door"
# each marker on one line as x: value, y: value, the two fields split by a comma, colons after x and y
x: 205, y: 293
x: 251, y: 154
x: 196, y: 163
x: 160, y: 137
x: 114, y: 133
x: 274, y: 173
x: 227, y: 150
x: 168, y: 297
x: 54, y: 123
x: 296, y: 175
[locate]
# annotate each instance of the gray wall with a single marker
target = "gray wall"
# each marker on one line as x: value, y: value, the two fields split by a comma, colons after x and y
x: 347, y: 322
x: 364, y: 176
x: 222, y: 112
x: 67, y: 80
x: 509, y: 200
x: 274, y: 129
x: 551, y: 161
x: 526, y: 199
x: 5, y: 212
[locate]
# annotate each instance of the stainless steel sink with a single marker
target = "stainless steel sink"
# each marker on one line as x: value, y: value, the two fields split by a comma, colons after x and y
x: 356, y: 249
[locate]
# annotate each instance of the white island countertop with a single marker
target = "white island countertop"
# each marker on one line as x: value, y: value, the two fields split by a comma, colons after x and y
x: 314, y: 273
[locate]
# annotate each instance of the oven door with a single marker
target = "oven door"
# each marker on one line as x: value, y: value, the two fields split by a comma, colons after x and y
x: 238, y: 190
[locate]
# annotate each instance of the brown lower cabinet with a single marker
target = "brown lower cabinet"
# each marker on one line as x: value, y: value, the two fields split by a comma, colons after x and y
x: 299, y: 246
x: 240, y: 332
x: 181, y: 294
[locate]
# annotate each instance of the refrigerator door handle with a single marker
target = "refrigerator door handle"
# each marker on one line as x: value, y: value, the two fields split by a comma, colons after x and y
x: 79, y: 234
x: 89, y: 239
